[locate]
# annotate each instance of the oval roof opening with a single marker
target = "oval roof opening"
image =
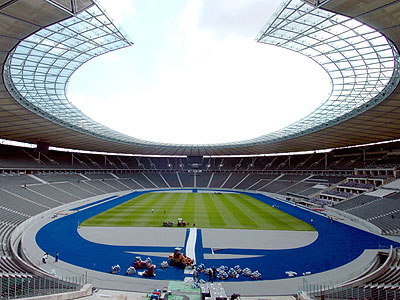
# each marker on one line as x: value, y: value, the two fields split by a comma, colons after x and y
x: 197, y: 76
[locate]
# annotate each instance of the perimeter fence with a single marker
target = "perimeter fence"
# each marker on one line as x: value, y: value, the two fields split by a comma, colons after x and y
x: 377, y: 292
x: 14, y: 286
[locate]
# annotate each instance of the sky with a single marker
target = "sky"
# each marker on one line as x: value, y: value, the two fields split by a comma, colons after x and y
x: 196, y: 75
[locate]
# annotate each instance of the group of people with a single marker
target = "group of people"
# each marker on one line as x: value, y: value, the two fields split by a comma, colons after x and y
x: 152, y: 211
x: 212, y: 274
x: 46, y: 257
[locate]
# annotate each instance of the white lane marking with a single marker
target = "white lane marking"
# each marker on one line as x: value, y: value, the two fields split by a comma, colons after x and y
x: 191, y: 243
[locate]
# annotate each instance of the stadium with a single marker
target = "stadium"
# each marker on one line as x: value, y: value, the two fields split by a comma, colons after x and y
x: 309, y: 211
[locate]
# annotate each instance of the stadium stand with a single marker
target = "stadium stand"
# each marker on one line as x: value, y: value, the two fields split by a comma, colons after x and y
x: 59, y: 177
x: 98, y: 175
x: 129, y: 183
x: 187, y: 179
x: 86, y: 186
x: 50, y: 192
x: 380, y: 282
x: 32, y: 182
x: 141, y: 180
x: 157, y: 180
x: 26, y: 191
x: 336, y: 195
x: 355, y: 202
x: 249, y: 181
x: 299, y: 188
x: 381, y: 211
x: 309, y: 192
x: 172, y: 179
x: 73, y: 189
x: 218, y: 179
x: 275, y: 186
x: 233, y: 180
x: 17, y: 280
x: 259, y: 184
x: 116, y: 184
x: 361, y: 186
x: 202, y: 179
x: 326, y: 179
x: 100, y: 185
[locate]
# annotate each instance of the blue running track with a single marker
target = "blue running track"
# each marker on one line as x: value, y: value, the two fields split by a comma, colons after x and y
x: 337, y: 244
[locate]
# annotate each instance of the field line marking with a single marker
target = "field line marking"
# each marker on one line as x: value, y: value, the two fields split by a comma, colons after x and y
x: 191, y: 243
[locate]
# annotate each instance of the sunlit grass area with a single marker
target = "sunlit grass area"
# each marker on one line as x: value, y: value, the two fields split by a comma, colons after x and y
x: 205, y: 210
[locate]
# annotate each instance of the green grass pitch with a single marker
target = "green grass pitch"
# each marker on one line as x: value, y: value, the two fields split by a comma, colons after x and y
x: 206, y: 210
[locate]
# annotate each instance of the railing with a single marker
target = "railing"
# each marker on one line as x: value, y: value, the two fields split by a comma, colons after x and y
x: 365, y: 224
x: 358, y: 293
x: 358, y: 288
x: 315, y: 289
x: 15, y: 286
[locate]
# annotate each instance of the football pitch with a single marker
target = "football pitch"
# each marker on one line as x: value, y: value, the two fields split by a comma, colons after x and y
x: 205, y: 210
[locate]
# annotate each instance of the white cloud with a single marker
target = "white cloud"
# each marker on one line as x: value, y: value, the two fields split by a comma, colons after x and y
x: 211, y: 84
x: 118, y: 10
x: 243, y: 18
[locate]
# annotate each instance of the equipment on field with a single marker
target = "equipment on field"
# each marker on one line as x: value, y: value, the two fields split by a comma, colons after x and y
x: 246, y: 272
x: 235, y: 296
x: 237, y: 269
x: 156, y: 295
x: 180, y: 260
x: 139, y: 263
x: 222, y: 275
x: 291, y: 273
x: 131, y: 270
x: 176, y: 258
x: 201, y: 268
x: 232, y: 273
x: 256, y: 275
x: 181, y: 223
x: 115, y: 269
x: 148, y: 262
x: 150, y: 271
x: 222, y: 268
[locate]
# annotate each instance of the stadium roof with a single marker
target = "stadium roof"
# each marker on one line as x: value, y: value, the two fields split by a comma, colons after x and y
x: 43, y: 42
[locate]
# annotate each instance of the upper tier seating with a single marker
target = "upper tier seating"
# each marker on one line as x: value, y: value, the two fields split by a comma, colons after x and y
x: 379, y: 282
x: 172, y: 179
x: 355, y: 202
x: 203, y: 179
x: 187, y: 179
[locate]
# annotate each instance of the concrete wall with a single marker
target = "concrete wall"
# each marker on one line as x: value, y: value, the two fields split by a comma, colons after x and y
x: 85, y: 291
x: 363, y: 223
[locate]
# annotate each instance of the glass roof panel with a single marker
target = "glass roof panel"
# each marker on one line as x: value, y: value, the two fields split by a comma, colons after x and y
x: 355, y: 56
x: 361, y: 63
